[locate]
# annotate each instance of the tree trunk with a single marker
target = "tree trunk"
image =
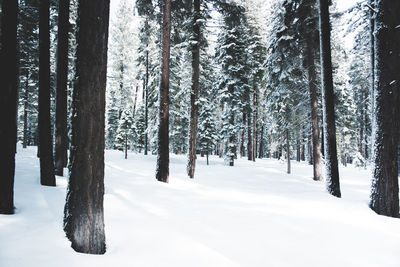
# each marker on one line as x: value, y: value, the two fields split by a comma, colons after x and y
x: 45, y: 137
x: 249, y: 137
x: 385, y: 187
x: 135, y: 101
x: 207, y: 157
x: 194, y: 109
x: 25, y: 138
x: 83, y: 214
x: 162, y: 171
x: 288, y: 150
x: 8, y: 104
x: 298, y: 150
x: 332, y: 172
x: 372, y: 72
x: 62, y: 87
x: 261, y: 147
x: 146, y: 108
x: 242, y: 136
x: 126, y: 146
x: 255, y: 103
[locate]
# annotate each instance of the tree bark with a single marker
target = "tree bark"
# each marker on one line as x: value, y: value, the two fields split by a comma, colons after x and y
x: 25, y: 138
x: 261, y: 147
x: 83, y: 214
x: 372, y: 71
x: 194, y: 95
x: 146, y: 108
x: 249, y: 137
x: 45, y: 137
x: 332, y: 172
x: 288, y: 151
x: 61, y: 146
x: 385, y: 187
x: 162, y: 171
x: 255, y: 104
x: 8, y: 104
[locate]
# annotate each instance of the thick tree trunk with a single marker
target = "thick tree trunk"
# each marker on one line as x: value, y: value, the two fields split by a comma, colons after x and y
x: 315, y: 156
x: 146, y: 108
x: 288, y: 151
x: 84, y: 215
x: 62, y: 87
x: 45, y: 137
x: 385, y: 187
x: 332, y: 171
x: 372, y: 72
x: 162, y: 171
x: 194, y: 95
x: 8, y: 104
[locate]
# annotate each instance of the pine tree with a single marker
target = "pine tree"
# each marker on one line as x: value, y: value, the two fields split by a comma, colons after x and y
x: 385, y: 187
x: 124, y: 131
x: 8, y: 103
x: 83, y: 213
x: 61, y: 131
x: 45, y: 137
x: 332, y: 172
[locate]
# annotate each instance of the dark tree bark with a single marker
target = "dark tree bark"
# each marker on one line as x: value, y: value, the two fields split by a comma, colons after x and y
x: 242, y: 150
x: 312, y: 86
x: 8, y: 104
x: 332, y: 171
x: 255, y: 114
x: 385, y: 187
x: 261, y: 147
x: 146, y: 108
x: 194, y: 95
x: 62, y: 87
x: 162, y: 171
x: 45, y: 137
x: 83, y: 214
x: 372, y: 72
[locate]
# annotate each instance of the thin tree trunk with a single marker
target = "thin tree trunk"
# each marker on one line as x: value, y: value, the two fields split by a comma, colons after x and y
x: 62, y: 87
x: 207, y: 157
x: 288, y: 150
x: 194, y: 109
x: 242, y: 136
x: 25, y: 138
x: 8, y: 104
x: 146, y: 108
x: 135, y: 101
x: 332, y: 171
x: 45, y: 138
x: 83, y: 213
x: 298, y: 150
x: 255, y: 103
x: 126, y: 146
x: 249, y: 137
x: 261, y: 147
x: 385, y: 187
x: 162, y: 171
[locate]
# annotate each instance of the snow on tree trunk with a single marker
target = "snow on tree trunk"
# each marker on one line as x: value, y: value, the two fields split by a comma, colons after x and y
x: 45, y: 137
x: 195, y: 90
x: 162, y: 170
x: 61, y: 145
x: 288, y: 150
x: 83, y: 214
x: 385, y: 187
x: 8, y: 104
x: 332, y: 171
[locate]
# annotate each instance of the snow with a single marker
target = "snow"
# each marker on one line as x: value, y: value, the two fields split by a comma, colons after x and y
x: 253, y: 214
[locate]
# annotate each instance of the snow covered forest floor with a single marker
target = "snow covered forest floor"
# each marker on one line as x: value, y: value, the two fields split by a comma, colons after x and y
x: 253, y: 214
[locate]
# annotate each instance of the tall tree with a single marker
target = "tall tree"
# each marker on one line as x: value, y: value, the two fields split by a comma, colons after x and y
x: 162, y: 170
x: 45, y: 137
x: 385, y: 187
x: 328, y: 98
x: 83, y: 214
x: 61, y: 145
x: 194, y: 109
x: 8, y: 103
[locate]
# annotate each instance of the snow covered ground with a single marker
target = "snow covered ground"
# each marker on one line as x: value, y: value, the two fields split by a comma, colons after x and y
x: 253, y: 214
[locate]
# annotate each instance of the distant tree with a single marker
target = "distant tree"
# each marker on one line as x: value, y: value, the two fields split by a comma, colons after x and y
x: 332, y: 171
x: 162, y: 170
x: 83, y: 213
x: 385, y: 187
x: 8, y: 103
x: 61, y: 131
x: 45, y: 137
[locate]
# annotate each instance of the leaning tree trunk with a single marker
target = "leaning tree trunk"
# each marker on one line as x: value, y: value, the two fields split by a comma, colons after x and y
x: 45, y: 137
x: 61, y: 92
x: 162, y: 171
x: 194, y: 109
x: 332, y: 171
x: 8, y: 104
x: 83, y: 215
x: 385, y: 187
x: 312, y: 86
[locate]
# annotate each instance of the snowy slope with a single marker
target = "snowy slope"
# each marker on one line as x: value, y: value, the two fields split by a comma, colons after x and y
x: 253, y: 214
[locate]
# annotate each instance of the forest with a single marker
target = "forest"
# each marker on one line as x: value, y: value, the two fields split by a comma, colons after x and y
x: 260, y: 106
